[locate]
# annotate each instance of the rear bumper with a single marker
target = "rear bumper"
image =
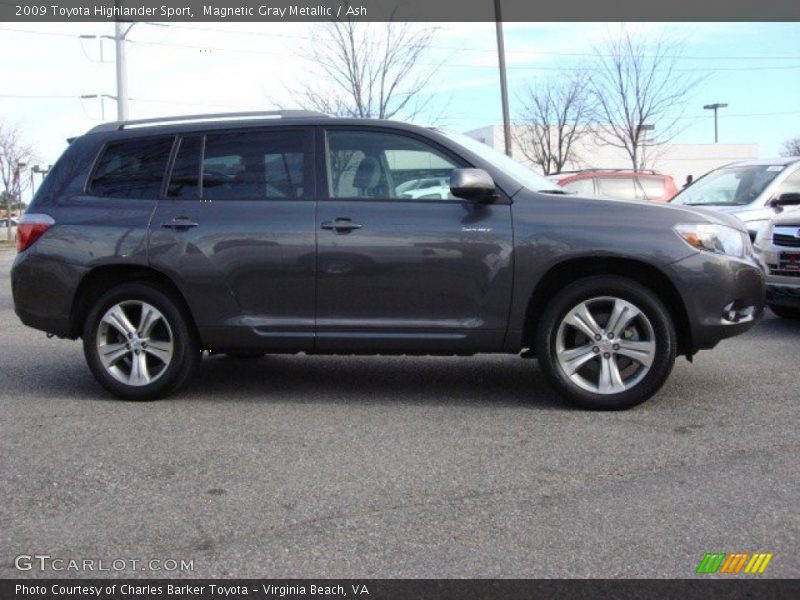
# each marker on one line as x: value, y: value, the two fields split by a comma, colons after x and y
x: 723, y: 296
x: 43, y: 290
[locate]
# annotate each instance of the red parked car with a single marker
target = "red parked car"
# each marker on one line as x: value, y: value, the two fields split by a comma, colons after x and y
x: 625, y: 184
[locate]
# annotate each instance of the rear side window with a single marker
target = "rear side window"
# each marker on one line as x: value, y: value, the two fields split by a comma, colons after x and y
x: 255, y: 165
x: 653, y: 187
x: 132, y: 169
x: 185, y: 179
x: 623, y: 188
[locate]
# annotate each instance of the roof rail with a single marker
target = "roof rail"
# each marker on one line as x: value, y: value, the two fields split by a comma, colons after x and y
x: 608, y: 170
x: 279, y: 114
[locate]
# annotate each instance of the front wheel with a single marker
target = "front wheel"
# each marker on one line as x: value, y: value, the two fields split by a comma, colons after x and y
x: 138, y: 342
x: 606, y: 342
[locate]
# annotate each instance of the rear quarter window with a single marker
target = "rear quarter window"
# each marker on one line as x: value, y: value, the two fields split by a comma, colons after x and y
x: 132, y: 169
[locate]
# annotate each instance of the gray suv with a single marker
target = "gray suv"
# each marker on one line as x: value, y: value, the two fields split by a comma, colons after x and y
x: 158, y: 241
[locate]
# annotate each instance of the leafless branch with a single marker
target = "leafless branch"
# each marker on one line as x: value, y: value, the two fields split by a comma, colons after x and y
x: 368, y: 70
x: 791, y: 147
x: 635, y: 84
x: 554, y: 118
x: 15, y: 154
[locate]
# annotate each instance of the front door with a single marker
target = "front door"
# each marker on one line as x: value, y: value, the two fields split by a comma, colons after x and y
x: 236, y: 231
x: 402, y: 264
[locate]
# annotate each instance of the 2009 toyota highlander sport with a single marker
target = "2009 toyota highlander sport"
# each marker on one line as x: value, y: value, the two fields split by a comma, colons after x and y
x: 157, y: 241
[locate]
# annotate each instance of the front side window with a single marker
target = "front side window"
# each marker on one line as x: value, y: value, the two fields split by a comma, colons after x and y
x: 132, y: 169
x: 790, y: 185
x: 375, y: 164
x: 582, y: 187
x: 737, y: 185
x: 255, y: 165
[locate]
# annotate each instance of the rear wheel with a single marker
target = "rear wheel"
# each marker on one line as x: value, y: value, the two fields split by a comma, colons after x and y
x: 138, y: 343
x: 606, y: 343
x: 785, y: 312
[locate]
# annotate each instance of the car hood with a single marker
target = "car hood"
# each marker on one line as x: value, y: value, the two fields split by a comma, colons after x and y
x: 666, y: 212
x: 788, y: 219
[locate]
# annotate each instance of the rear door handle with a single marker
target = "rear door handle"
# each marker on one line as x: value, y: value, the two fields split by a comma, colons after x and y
x: 341, y: 225
x: 180, y: 223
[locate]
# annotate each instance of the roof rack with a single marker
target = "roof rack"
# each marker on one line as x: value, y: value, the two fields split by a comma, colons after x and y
x: 600, y: 169
x: 279, y: 114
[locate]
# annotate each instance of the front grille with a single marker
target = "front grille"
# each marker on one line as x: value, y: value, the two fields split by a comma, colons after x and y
x: 774, y: 270
x: 789, y: 241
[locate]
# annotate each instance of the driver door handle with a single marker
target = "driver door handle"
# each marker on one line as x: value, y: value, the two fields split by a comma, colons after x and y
x: 341, y: 225
x: 180, y: 223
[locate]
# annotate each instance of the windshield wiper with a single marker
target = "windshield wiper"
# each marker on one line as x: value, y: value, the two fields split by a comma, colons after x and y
x: 562, y: 192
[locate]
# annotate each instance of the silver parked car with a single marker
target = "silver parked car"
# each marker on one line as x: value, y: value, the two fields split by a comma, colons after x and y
x: 777, y: 247
x: 745, y: 189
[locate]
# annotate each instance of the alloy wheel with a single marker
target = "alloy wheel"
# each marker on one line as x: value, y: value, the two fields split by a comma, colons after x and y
x: 135, y: 343
x: 605, y: 345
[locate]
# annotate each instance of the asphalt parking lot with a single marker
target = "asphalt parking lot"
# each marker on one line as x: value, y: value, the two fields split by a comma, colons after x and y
x: 296, y: 466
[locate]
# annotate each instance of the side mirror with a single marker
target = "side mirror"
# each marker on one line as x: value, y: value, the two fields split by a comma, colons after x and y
x: 472, y: 184
x: 791, y: 199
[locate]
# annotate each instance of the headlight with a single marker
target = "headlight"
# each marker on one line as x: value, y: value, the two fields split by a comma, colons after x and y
x: 719, y: 239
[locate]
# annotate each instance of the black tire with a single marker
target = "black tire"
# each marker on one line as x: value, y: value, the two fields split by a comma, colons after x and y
x: 245, y: 355
x: 185, y: 346
x: 785, y: 312
x: 663, y: 332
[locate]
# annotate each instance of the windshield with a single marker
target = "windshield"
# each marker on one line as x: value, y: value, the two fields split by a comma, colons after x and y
x: 736, y: 185
x: 528, y: 178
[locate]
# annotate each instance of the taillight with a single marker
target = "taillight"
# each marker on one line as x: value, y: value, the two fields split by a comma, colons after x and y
x: 30, y: 228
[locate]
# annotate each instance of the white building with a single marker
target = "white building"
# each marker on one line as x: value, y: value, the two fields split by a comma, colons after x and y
x: 678, y: 160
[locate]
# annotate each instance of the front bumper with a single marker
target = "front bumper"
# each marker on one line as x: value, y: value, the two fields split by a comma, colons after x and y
x: 782, y: 289
x: 783, y: 294
x: 723, y: 296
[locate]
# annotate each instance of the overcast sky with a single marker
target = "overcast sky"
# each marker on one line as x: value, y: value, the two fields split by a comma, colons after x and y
x: 46, y: 67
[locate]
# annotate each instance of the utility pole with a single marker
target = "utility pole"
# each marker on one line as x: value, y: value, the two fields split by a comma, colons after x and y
x: 644, y: 128
x: 102, y: 98
x: 43, y: 171
x: 501, y: 54
x: 122, y: 73
x: 715, y: 107
x: 9, y: 196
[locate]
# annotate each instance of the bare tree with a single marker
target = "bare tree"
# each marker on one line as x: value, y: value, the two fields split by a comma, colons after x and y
x: 368, y: 69
x: 14, y: 155
x: 638, y: 94
x: 554, y: 118
x: 791, y: 147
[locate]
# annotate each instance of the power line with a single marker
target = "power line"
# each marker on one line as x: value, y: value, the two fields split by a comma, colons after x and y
x: 449, y: 64
x: 486, y: 50
x: 453, y: 48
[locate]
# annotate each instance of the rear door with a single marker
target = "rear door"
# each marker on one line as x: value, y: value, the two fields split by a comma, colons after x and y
x: 403, y: 265
x: 235, y: 229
